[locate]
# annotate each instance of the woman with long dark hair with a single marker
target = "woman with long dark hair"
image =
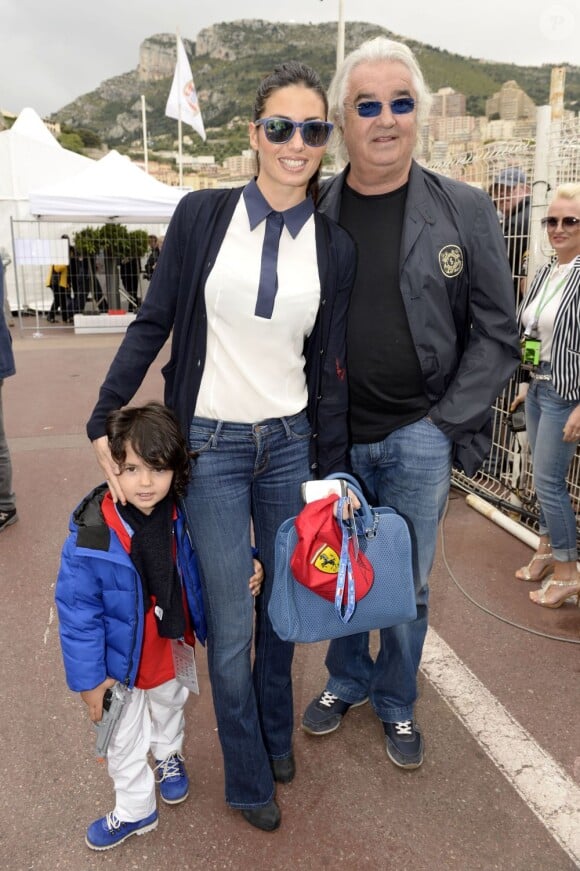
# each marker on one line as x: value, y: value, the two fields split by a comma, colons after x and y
x: 255, y: 285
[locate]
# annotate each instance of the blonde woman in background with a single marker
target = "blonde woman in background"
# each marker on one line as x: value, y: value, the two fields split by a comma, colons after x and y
x: 550, y: 323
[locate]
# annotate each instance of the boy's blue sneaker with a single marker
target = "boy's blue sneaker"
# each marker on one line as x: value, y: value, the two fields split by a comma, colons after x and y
x: 109, y: 831
x: 172, y: 778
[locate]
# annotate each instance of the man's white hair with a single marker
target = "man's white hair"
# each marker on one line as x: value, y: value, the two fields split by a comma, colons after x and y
x: 374, y: 51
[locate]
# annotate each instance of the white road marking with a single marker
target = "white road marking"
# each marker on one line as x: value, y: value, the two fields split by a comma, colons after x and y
x: 544, y: 786
x: 50, y: 620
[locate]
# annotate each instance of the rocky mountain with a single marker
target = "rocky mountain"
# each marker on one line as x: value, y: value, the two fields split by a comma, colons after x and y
x: 228, y: 59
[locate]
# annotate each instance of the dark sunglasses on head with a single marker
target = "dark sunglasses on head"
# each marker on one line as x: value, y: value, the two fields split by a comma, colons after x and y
x: 373, y: 108
x: 568, y: 221
x: 280, y: 130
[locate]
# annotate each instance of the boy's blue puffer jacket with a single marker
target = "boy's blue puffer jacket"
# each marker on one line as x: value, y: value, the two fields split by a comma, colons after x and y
x: 99, y: 598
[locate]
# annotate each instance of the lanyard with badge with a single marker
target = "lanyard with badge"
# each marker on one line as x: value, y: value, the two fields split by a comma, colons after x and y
x: 531, y: 342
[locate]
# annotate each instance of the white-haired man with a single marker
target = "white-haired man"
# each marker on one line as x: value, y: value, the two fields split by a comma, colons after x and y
x: 432, y: 340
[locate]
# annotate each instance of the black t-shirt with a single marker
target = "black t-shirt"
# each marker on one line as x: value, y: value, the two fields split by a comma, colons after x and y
x: 385, y: 381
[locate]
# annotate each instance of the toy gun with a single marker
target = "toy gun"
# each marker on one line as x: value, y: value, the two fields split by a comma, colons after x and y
x: 113, y: 704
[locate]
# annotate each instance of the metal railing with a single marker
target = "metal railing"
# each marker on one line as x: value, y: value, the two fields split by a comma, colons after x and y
x: 97, y: 280
x: 553, y: 158
x: 506, y: 478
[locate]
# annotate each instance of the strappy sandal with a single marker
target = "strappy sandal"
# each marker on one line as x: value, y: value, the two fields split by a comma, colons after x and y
x: 525, y: 573
x: 570, y: 590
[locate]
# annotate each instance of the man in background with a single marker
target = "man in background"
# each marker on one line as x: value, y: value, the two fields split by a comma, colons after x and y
x: 511, y: 195
x: 153, y: 257
x: 8, y: 514
x: 6, y: 261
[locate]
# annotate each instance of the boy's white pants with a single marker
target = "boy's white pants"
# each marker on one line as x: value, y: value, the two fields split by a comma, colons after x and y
x: 151, y: 720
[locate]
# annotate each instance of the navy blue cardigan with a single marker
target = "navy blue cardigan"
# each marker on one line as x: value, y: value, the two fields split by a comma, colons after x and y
x: 176, y: 301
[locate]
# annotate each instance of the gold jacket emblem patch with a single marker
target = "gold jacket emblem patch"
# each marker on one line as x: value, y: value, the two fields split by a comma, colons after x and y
x: 451, y: 261
x: 326, y: 560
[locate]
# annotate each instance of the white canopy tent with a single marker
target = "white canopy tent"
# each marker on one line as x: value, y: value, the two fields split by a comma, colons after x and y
x: 30, y: 156
x: 110, y: 189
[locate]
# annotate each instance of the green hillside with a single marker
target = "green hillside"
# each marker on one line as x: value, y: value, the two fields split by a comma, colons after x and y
x: 226, y: 87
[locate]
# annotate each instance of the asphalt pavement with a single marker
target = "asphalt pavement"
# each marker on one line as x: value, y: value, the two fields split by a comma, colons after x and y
x: 499, y: 704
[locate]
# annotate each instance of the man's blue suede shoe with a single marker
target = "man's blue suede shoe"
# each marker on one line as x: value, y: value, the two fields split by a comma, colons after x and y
x: 404, y: 744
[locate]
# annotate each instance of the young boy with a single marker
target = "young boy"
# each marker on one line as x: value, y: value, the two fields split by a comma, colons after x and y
x: 127, y: 588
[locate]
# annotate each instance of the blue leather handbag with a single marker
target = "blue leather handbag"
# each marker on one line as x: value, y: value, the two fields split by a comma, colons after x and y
x: 298, y: 614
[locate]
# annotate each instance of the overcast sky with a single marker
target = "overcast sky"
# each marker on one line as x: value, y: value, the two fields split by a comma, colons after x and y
x: 53, y: 52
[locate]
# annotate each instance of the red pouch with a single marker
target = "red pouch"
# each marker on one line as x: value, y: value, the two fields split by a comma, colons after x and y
x: 316, y: 558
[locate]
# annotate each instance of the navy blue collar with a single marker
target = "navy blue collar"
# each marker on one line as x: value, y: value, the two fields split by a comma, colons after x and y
x: 258, y: 210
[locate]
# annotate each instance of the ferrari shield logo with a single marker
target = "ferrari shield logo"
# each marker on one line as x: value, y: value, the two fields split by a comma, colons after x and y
x: 326, y: 560
x: 451, y: 260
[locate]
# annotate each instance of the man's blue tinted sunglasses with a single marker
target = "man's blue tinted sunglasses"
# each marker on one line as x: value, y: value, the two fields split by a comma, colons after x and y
x: 280, y: 130
x: 373, y: 108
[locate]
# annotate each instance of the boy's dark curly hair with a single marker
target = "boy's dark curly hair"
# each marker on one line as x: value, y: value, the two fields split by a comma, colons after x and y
x: 154, y: 433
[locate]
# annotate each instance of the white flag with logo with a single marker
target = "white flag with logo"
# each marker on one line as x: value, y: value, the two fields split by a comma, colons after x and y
x: 182, y: 101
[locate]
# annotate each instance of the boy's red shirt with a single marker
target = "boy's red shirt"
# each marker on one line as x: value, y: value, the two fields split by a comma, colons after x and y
x: 156, y: 663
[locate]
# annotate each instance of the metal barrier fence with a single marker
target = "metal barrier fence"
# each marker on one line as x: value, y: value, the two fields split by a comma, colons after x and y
x: 506, y: 478
x: 107, y: 269
x: 553, y: 158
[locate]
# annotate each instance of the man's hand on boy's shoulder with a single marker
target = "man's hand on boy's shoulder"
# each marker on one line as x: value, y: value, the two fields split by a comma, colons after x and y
x: 93, y: 699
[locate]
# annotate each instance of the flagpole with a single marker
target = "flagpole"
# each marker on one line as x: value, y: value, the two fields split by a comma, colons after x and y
x: 180, y: 150
x: 340, y: 35
x: 144, y: 121
x: 179, y: 136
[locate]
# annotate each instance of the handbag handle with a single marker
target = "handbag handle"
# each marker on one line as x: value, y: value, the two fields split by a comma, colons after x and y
x: 364, y: 513
x: 345, y: 574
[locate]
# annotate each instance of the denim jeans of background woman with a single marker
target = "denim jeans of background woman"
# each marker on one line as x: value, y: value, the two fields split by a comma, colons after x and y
x: 546, y: 414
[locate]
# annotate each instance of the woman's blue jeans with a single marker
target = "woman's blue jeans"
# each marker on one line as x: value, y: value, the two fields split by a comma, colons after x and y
x: 546, y: 414
x: 245, y: 472
x: 410, y: 471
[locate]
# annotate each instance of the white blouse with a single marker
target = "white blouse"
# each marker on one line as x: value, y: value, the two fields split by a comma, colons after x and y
x: 254, y: 367
x: 552, y: 293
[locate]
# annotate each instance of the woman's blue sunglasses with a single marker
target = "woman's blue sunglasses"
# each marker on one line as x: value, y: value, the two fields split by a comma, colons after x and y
x: 280, y: 130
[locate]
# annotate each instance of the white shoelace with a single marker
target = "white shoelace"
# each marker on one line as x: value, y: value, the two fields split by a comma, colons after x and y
x: 113, y: 821
x: 169, y: 767
x: 327, y: 699
x: 404, y: 728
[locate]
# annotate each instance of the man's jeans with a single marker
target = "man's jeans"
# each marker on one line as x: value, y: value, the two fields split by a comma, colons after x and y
x: 246, y: 471
x: 546, y: 414
x: 7, y: 498
x: 410, y: 471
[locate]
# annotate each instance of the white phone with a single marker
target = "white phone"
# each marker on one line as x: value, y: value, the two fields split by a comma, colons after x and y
x: 312, y: 490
